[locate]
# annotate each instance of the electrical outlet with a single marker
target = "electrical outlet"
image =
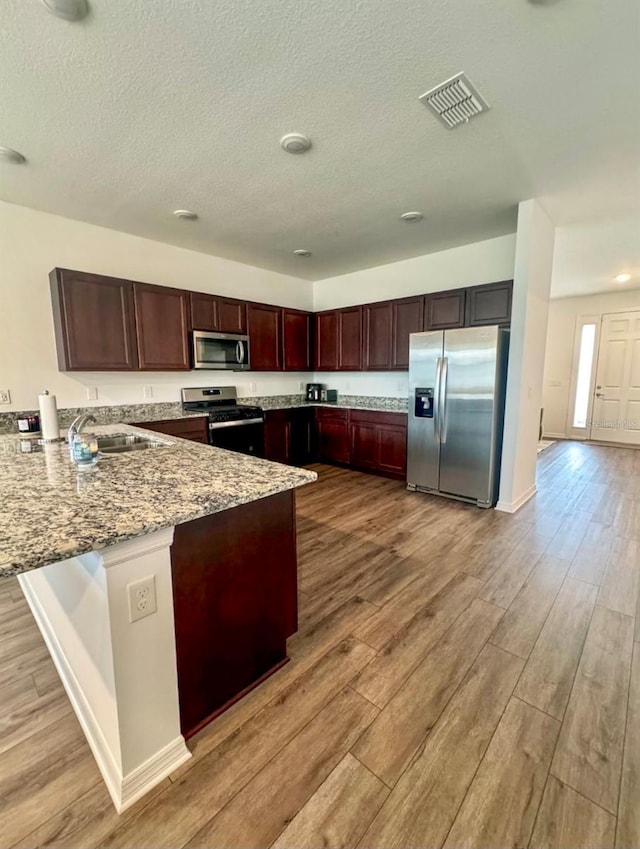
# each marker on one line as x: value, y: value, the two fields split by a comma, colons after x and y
x: 252, y: 388
x: 147, y: 392
x: 92, y: 393
x: 142, y: 598
x: 5, y: 396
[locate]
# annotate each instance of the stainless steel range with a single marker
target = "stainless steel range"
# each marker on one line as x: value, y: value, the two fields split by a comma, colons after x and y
x: 237, y: 427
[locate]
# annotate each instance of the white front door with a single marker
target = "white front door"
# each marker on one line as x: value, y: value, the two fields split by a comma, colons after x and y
x: 616, y: 402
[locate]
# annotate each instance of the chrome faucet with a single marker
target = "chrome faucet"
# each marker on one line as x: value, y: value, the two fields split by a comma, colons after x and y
x: 77, y: 424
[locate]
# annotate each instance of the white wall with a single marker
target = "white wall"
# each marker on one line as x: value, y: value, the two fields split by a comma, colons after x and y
x: 468, y: 265
x: 559, y: 354
x: 531, y: 287
x: 32, y: 243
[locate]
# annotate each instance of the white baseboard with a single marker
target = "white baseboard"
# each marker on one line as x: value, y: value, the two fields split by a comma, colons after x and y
x: 124, y: 790
x: 514, y: 506
x: 548, y: 434
x: 152, y: 772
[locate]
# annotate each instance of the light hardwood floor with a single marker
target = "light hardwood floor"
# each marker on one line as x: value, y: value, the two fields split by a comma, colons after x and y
x: 460, y: 678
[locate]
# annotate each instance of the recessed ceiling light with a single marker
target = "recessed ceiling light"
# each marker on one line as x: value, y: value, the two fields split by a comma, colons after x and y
x: 10, y: 155
x: 185, y: 214
x: 302, y: 252
x: 295, y: 143
x: 68, y: 10
x: 623, y: 278
x: 411, y: 217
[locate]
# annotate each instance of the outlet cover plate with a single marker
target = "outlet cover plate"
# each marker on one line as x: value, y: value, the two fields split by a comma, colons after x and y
x: 5, y: 396
x: 142, y: 598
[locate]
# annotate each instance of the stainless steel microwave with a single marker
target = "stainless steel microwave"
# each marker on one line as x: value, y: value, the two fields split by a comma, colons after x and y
x: 219, y: 351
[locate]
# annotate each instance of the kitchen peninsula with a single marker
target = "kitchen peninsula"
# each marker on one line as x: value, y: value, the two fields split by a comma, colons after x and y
x: 164, y: 583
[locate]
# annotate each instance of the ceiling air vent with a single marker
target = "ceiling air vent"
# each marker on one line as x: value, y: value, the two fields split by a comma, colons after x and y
x: 455, y: 101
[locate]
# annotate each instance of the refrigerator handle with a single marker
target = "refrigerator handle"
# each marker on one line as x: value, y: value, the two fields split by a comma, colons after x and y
x: 436, y: 399
x: 442, y: 401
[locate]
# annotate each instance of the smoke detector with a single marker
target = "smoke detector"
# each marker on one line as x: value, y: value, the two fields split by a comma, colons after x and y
x: 302, y: 252
x: 295, y: 143
x: 455, y: 101
x: 11, y: 155
x: 68, y: 10
x: 411, y: 217
x: 185, y: 214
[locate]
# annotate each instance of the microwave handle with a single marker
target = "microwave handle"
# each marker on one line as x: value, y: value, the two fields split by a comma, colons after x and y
x: 240, y: 352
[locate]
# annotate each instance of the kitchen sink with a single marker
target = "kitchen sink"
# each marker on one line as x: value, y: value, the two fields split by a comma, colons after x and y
x: 127, y: 442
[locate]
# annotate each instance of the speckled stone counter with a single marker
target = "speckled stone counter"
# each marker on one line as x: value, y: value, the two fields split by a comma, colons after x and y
x: 377, y: 403
x: 51, y: 511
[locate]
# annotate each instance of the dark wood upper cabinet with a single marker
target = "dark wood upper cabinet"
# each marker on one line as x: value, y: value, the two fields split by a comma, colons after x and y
x: 350, y: 339
x: 232, y: 315
x: 407, y: 318
x: 162, y: 327
x: 326, y: 340
x: 204, y: 311
x: 490, y: 304
x: 94, y: 322
x: 296, y: 334
x: 378, y: 336
x: 445, y: 310
x: 265, y: 337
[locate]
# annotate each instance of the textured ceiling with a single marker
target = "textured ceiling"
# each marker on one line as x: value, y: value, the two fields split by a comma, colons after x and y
x: 151, y: 105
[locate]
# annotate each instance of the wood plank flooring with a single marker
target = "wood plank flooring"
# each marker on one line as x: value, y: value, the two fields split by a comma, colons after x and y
x: 460, y: 678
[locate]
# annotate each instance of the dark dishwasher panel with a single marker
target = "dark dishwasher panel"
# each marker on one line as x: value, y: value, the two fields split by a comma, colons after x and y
x: 238, y: 436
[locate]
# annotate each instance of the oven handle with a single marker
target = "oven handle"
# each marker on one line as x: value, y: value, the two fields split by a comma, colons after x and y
x: 216, y: 425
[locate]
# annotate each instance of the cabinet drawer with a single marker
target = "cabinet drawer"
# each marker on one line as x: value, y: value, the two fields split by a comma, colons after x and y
x: 323, y: 413
x: 196, y: 429
x: 379, y: 417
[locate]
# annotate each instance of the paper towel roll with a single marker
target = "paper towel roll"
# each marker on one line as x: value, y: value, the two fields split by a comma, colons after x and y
x: 48, y: 416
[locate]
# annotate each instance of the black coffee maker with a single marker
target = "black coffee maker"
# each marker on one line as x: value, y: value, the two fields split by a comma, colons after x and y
x: 314, y: 391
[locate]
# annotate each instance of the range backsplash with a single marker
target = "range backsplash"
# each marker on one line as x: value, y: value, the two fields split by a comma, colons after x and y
x: 128, y: 413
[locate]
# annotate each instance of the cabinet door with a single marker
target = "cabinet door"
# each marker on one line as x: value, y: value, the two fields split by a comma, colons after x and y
x: 277, y: 436
x: 333, y: 440
x: 94, y: 323
x: 265, y: 337
x: 364, y: 448
x: 490, y: 304
x: 301, y: 436
x: 444, y: 310
x: 326, y: 341
x: 378, y: 333
x: 392, y: 449
x: 204, y: 311
x: 162, y: 327
x: 350, y: 339
x: 407, y: 317
x: 232, y: 316
x: 296, y: 332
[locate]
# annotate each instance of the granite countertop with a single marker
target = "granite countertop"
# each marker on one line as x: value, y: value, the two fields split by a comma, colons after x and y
x: 51, y: 511
x: 378, y: 404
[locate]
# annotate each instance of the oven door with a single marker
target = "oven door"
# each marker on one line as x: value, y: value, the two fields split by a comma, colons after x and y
x: 246, y: 436
x: 219, y: 351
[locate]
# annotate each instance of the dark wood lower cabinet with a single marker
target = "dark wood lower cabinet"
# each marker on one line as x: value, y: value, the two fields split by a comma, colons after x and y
x: 332, y: 429
x: 378, y: 441
x: 288, y: 435
x: 196, y: 429
x: 235, y: 603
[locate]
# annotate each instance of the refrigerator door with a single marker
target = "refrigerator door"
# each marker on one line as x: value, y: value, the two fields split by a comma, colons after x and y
x: 471, y: 413
x: 423, y: 443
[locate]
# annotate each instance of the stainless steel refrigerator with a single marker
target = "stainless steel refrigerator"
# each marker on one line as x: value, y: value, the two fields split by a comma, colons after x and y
x: 457, y: 382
